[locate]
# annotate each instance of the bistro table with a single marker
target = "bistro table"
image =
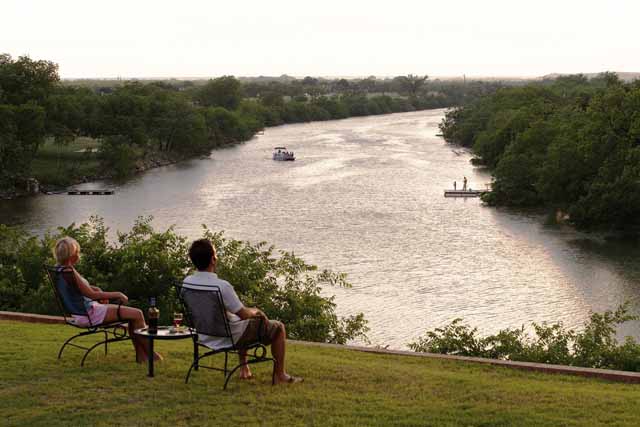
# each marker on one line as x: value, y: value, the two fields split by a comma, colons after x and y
x: 164, y: 333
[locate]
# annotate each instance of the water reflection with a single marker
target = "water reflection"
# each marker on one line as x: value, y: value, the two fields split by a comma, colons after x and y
x: 365, y: 197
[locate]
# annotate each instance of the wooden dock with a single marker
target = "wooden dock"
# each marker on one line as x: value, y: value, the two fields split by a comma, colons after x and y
x: 464, y: 193
x: 90, y: 192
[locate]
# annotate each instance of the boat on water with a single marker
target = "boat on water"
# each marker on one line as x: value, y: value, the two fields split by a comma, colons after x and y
x: 281, y: 154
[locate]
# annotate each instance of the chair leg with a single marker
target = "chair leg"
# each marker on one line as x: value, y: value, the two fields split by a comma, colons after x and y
x: 99, y: 344
x: 68, y: 342
x: 228, y: 377
x: 105, y: 342
x: 226, y: 358
x: 196, y: 362
x: 196, y: 357
x: 193, y: 365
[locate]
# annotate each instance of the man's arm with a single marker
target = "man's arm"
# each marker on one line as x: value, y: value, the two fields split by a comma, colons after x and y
x: 235, y: 306
x: 249, y: 312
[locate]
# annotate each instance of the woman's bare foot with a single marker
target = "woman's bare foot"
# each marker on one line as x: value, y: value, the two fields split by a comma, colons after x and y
x: 157, y: 356
x: 245, y: 373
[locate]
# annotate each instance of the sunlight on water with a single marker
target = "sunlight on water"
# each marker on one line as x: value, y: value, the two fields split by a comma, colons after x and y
x: 365, y: 196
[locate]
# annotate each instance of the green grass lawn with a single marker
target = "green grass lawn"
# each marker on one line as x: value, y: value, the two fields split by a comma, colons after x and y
x: 56, y: 164
x: 342, y: 387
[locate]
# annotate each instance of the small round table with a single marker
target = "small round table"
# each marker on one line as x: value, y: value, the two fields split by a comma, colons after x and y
x: 164, y: 333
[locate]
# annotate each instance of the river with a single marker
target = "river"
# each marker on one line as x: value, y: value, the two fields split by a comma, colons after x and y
x: 365, y: 197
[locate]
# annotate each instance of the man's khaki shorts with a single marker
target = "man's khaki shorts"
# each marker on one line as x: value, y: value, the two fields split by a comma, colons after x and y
x: 268, y: 333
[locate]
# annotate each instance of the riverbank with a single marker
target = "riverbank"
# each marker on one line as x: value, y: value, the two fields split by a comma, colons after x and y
x: 341, y: 387
x: 57, y: 167
x: 542, y: 155
x: 365, y: 198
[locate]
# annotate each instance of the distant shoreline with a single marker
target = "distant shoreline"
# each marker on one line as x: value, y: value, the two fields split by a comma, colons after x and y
x: 156, y: 161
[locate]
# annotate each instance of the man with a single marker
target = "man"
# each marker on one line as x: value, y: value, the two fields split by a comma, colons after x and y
x: 243, y: 321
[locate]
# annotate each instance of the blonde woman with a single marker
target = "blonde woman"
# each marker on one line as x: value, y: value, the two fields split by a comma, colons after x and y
x: 67, y: 254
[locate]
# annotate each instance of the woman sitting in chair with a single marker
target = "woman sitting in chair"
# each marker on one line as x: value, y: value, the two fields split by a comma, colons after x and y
x: 67, y: 254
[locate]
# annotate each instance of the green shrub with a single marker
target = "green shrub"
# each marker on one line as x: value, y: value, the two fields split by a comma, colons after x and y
x: 144, y: 262
x: 118, y: 155
x: 595, y: 346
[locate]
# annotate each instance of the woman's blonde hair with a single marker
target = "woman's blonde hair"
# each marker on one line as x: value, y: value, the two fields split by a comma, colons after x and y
x: 65, y: 248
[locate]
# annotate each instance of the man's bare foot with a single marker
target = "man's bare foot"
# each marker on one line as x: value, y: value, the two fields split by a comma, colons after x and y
x: 287, y: 379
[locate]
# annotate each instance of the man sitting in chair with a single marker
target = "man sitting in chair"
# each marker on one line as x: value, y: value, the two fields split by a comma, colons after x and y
x: 243, y: 321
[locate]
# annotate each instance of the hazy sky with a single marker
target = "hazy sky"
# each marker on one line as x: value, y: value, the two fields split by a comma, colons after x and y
x: 189, y: 38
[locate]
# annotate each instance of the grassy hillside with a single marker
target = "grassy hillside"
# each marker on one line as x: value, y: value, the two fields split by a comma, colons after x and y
x: 342, y: 387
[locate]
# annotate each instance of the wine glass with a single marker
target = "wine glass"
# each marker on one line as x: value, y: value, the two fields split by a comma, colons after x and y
x: 177, y: 320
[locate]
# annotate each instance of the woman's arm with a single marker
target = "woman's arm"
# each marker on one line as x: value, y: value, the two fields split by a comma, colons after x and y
x: 94, y: 292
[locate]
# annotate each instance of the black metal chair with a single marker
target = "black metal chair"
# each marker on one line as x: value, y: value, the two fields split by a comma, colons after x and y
x: 205, y: 314
x: 71, y: 303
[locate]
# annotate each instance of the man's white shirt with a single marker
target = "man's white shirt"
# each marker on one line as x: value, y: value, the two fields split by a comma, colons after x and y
x: 203, y: 280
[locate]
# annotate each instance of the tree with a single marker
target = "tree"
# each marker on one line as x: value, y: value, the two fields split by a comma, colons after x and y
x: 343, y: 86
x: 368, y: 85
x: 126, y: 113
x: 224, y: 126
x: 25, y: 80
x: 118, y: 156
x: 70, y: 112
x: 22, y: 131
x: 335, y: 108
x: 174, y: 124
x: 412, y: 84
x: 272, y: 99
x: 25, y: 86
x: 225, y: 92
x: 310, y: 81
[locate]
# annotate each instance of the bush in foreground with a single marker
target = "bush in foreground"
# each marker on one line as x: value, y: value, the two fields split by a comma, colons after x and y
x: 595, y: 346
x: 144, y: 262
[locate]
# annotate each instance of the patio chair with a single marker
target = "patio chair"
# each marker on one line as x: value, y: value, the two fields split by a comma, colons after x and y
x: 205, y: 314
x: 71, y: 303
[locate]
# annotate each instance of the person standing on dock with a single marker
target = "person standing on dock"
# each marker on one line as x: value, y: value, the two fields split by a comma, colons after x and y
x: 464, y: 184
x: 455, y: 184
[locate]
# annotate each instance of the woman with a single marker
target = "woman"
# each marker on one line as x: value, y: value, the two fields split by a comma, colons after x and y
x: 67, y: 254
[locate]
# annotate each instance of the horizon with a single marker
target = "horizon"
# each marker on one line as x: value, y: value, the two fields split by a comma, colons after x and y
x: 634, y: 74
x: 201, y: 40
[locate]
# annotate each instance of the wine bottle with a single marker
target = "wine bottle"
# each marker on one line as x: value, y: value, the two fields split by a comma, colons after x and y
x: 153, y: 314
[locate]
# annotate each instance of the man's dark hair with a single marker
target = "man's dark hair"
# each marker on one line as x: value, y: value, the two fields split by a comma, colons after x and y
x: 201, y: 252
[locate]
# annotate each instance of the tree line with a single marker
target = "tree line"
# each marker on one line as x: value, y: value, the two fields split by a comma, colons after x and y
x: 571, y: 144
x: 134, y: 120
